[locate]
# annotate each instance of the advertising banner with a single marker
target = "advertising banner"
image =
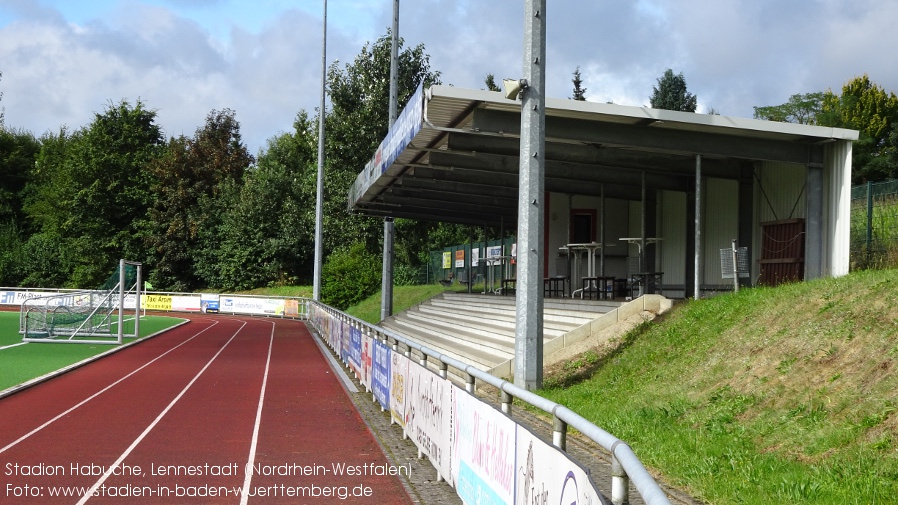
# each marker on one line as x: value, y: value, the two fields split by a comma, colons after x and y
x: 427, y: 415
x: 185, y: 303
x: 355, y: 350
x: 209, y: 303
x: 156, y: 302
x: 252, y: 305
x: 399, y: 365
x: 343, y: 337
x: 547, y: 475
x: 459, y: 258
x: 483, y: 451
x: 380, y: 374
x: 367, y: 354
x: 447, y: 259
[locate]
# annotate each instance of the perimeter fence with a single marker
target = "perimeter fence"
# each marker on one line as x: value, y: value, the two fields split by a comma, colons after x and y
x: 485, y: 454
x: 874, y: 225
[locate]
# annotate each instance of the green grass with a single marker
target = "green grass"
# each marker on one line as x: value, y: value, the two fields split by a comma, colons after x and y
x: 783, y: 395
x: 403, y: 298
x: 25, y: 362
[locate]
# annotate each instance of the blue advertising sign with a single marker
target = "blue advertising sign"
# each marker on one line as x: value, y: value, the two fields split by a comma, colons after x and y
x: 380, y: 376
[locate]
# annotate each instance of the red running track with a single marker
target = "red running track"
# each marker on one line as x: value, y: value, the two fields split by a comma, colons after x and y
x: 179, y: 417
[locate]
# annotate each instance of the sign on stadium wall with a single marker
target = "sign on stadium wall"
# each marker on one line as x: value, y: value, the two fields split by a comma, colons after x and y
x: 367, y: 354
x: 547, y: 475
x: 355, y: 350
x: 483, y: 451
x: 399, y: 365
x: 380, y: 374
x: 253, y: 305
x: 428, y: 416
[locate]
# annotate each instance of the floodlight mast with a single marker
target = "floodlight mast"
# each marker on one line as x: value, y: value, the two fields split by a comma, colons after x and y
x: 386, y: 297
x: 528, y: 370
x: 319, y: 195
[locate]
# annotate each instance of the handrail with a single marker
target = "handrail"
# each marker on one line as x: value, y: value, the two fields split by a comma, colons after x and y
x: 626, y: 466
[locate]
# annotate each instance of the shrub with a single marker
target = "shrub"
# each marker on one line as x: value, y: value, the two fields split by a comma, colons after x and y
x: 349, y: 276
x: 406, y: 275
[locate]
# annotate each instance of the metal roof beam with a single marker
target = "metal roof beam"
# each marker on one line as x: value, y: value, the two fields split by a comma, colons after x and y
x: 654, y: 137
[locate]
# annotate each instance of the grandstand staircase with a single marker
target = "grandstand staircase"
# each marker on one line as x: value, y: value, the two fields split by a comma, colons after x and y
x: 479, y: 329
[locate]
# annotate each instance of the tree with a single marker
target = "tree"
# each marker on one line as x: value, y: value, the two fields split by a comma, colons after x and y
x: 193, y: 177
x: 264, y: 237
x: 868, y: 108
x: 579, y: 90
x: 18, y: 151
x: 801, y: 109
x: 671, y: 94
x: 490, y: 81
x: 90, y: 190
x: 355, y: 127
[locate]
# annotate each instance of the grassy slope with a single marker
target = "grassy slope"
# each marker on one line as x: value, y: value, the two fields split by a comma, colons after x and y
x: 765, y: 396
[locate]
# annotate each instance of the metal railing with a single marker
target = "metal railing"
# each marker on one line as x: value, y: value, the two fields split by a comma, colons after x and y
x: 626, y: 468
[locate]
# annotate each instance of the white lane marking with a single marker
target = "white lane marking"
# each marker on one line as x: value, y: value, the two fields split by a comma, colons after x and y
x: 98, y: 393
x: 244, y: 497
x: 12, y: 345
x: 115, y: 466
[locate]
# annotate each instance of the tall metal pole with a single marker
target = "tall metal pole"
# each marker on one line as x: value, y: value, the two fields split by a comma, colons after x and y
x: 528, y: 371
x: 386, y: 298
x: 698, y: 226
x: 319, y: 195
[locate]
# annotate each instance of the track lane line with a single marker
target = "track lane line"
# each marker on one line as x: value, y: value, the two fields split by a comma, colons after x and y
x: 98, y: 393
x: 112, y: 468
x: 244, y: 498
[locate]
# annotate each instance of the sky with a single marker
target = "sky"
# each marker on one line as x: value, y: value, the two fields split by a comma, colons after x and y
x: 62, y: 61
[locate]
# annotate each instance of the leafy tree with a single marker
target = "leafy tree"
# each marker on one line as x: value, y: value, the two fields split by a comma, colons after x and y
x: 265, y: 237
x: 18, y: 151
x: 355, y: 127
x: 90, y: 190
x: 579, y: 90
x: 671, y: 94
x: 490, y: 81
x: 191, y: 178
x: 801, y: 109
x: 868, y: 108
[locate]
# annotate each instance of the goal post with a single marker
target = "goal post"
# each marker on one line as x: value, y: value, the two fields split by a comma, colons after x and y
x: 86, y: 317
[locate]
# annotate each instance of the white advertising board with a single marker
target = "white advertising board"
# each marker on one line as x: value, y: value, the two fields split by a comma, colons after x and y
x: 483, y: 451
x: 428, y: 417
x: 547, y: 475
x: 399, y: 365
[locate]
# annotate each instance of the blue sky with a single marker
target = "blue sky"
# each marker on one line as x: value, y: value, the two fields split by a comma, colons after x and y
x: 63, y: 61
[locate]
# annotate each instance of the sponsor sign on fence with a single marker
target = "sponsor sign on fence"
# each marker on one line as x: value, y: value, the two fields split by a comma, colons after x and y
x: 380, y: 374
x: 484, y: 454
x: 399, y: 366
x: 428, y: 416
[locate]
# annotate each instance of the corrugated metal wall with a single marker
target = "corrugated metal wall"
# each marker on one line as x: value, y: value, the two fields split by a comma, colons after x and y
x: 780, y: 189
x: 672, y: 227
x: 720, y: 225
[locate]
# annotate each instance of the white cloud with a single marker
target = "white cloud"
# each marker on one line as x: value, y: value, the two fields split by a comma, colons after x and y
x: 263, y: 59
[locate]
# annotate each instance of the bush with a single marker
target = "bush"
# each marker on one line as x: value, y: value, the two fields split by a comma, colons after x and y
x: 349, y: 276
x: 406, y: 275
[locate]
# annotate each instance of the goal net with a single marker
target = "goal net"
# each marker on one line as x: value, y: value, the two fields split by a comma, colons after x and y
x: 102, y: 316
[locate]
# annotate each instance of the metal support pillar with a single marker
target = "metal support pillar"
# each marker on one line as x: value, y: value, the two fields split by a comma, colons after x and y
x: 698, y: 226
x: 813, y: 267
x: 528, y: 373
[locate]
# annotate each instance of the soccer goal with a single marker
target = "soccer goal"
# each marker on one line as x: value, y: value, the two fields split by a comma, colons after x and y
x: 99, y: 316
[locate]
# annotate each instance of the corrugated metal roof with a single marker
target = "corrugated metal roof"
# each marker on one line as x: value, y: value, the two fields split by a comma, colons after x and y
x: 462, y: 165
